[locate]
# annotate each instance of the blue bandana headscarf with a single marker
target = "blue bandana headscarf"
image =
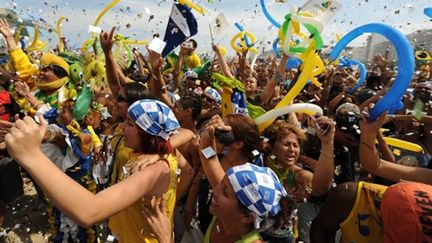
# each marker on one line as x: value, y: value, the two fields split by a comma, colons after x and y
x: 258, y: 188
x: 154, y: 117
x: 215, y: 94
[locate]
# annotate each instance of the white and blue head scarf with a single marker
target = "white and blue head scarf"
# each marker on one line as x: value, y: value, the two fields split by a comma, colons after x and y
x: 258, y: 188
x: 215, y: 94
x: 154, y: 117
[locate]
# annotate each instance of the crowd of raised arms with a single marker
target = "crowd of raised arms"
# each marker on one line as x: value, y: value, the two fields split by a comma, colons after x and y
x: 154, y: 149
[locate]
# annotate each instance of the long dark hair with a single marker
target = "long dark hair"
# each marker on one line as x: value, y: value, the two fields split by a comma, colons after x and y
x: 245, y: 129
x: 136, y: 91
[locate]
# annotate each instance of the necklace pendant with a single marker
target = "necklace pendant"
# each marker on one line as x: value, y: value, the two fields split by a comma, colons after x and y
x: 218, y: 229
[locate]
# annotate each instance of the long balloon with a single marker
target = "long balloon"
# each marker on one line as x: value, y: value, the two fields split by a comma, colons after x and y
x: 406, y: 63
x: 268, y: 15
x: 310, y: 109
x: 104, y: 11
x: 59, y: 34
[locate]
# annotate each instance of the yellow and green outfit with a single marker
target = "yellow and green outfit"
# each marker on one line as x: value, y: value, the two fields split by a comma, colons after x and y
x: 129, y: 225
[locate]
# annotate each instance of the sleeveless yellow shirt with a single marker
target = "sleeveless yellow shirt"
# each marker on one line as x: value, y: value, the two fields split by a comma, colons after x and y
x: 364, y: 224
x: 129, y: 225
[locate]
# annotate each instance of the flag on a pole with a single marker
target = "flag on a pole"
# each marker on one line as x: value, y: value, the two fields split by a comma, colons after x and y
x: 181, y: 25
x: 219, y: 24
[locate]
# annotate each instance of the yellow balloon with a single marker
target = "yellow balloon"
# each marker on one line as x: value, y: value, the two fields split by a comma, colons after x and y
x: 104, y: 11
x: 58, y: 29
x: 403, y: 144
x: 240, y: 36
x: 192, y: 6
x: 310, y: 63
x: 223, y: 50
x: 17, y: 33
x: 136, y: 42
x: 38, y: 46
x: 35, y: 39
x: 226, y: 104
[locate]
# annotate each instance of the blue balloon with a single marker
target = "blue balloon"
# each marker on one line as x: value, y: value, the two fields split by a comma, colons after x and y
x: 406, y: 63
x: 363, y: 72
x: 275, y: 47
x: 293, y: 62
x: 268, y: 16
x: 246, y: 38
x: 428, y: 12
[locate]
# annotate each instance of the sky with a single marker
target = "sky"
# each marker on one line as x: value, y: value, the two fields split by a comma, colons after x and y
x: 140, y: 19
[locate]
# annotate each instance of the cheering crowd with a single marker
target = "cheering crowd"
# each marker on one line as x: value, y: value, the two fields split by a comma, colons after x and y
x: 147, y: 149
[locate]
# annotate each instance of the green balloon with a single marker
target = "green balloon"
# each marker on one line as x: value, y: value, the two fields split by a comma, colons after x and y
x: 76, y: 72
x: 69, y: 57
x: 83, y: 103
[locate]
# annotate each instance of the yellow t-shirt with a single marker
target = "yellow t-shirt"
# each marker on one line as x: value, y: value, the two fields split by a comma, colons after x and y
x: 363, y: 224
x: 192, y: 61
x: 129, y: 225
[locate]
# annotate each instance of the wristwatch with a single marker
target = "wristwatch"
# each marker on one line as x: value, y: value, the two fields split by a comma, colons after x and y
x: 208, y: 152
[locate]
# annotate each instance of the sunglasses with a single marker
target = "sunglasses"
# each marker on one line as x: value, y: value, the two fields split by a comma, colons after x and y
x: 208, y: 99
x: 57, y: 70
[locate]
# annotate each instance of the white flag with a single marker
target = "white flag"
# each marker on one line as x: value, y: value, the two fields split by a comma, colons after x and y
x: 219, y: 24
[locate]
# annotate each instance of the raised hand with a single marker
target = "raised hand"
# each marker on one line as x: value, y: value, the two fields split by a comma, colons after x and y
x: 5, y: 30
x: 371, y: 127
x: 158, y: 220
x: 106, y: 40
x: 381, y: 61
x: 25, y: 137
x: 22, y: 88
x: 155, y: 59
x: 325, y: 128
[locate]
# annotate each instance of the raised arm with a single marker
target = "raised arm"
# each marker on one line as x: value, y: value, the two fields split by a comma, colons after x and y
x: 113, y: 77
x: 177, y: 67
x: 277, y: 78
x: 211, y: 165
x: 23, y: 89
x: 83, y: 207
x: 158, y: 86
x: 6, y: 31
x: 372, y: 162
x: 19, y: 59
x: 324, y: 170
x: 222, y: 62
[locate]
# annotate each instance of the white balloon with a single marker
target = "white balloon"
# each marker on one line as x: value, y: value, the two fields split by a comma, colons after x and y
x: 300, y: 107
